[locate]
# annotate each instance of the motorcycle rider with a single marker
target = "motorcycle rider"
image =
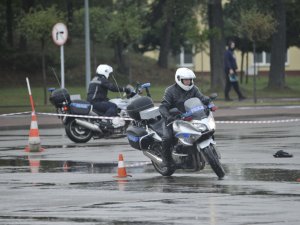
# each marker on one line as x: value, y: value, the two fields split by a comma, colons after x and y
x: 174, y: 97
x: 98, y: 88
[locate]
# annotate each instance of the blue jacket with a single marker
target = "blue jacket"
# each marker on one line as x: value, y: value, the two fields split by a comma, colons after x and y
x: 229, y: 61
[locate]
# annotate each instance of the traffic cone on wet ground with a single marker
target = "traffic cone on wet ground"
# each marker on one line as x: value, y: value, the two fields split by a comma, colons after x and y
x: 34, y: 142
x: 121, y: 168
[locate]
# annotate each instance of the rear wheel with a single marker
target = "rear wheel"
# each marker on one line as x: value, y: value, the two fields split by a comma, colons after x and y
x: 77, y: 133
x: 165, y: 171
x: 213, y: 160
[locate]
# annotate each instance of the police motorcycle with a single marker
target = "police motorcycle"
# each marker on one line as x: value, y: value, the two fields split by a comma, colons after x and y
x: 193, y: 143
x: 82, y: 128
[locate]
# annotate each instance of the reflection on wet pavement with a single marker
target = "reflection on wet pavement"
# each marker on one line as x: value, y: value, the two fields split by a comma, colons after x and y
x: 70, y: 146
x: 244, y: 172
x: 22, y: 164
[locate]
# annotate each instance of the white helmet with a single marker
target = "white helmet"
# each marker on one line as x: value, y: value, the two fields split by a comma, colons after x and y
x: 184, y: 73
x: 104, y: 70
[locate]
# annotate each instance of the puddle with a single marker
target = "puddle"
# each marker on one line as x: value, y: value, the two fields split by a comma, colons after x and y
x: 90, y: 145
x: 70, y: 220
x: 38, y: 164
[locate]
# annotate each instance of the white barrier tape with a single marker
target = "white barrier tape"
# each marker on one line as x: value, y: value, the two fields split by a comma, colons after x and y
x: 259, y: 122
x: 83, y: 116
x: 234, y: 122
x: 105, y: 117
x: 15, y: 114
x: 137, y: 164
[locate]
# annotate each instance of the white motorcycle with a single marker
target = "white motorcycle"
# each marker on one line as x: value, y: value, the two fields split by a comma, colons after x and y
x: 81, y: 129
x: 193, y: 144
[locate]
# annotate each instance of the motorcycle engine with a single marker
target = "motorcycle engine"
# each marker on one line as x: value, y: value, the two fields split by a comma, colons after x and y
x: 182, y: 156
x: 118, y: 122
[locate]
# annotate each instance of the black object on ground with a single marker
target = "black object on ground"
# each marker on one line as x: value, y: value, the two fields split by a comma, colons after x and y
x: 282, y: 154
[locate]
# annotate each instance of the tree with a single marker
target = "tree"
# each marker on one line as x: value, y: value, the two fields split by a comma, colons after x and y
x: 117, y: 25
x: 232, y: 17
x: 98, y: 27
x: 37, y: 25
x: 215, y: 22
x: 278, y: 49
x: 292, y: 23
x: 124, y: 30
x: 172, y: 24
x: 9, y: 19
x: 256, y: 27
x: 26, y: 6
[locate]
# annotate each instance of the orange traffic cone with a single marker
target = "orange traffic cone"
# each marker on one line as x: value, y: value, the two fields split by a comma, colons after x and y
x: 34, y: 142
x: 121, y: 168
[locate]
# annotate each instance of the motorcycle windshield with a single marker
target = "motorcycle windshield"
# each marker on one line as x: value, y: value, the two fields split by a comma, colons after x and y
x: 194, y: 108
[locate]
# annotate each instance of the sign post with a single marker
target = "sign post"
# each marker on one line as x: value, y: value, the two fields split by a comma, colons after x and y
x: 60, y: 36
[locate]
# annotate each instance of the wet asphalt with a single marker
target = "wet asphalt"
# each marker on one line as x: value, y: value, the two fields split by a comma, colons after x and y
x: 70, y: 183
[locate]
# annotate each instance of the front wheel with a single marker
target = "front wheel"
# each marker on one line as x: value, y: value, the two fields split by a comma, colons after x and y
x: 165, y: 171
x: 77, y: 133
x: 213, y: 160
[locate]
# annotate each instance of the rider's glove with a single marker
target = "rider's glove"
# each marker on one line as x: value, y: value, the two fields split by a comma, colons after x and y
x: 206, y: 100
x: 170, y: 119
x: 127, y: 90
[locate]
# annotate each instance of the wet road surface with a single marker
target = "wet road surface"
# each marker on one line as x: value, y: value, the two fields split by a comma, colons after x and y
x: 74, y: 183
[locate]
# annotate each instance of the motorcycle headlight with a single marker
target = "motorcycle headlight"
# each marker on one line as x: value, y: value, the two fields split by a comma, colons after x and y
x: 188, y: 138
x: 200, y: 126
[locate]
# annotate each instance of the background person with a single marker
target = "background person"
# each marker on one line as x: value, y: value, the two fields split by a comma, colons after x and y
x: 98, y: 88
x: 230, y: 73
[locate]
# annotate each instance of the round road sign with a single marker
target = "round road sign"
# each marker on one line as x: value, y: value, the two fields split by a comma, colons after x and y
x: 59, y: 33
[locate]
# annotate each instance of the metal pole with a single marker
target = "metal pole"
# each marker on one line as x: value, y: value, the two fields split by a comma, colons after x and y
x: 62, y: 66
x: 254, y: 73
x: 87, y: 44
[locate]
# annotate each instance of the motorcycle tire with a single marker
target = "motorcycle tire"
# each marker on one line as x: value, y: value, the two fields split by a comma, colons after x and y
x: 213, y: 160
x: 77, y: 133
x: 165, y: 171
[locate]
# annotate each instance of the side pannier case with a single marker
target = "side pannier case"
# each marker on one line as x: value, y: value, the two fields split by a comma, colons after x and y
x: 80, y: 107
x: 138, y: 138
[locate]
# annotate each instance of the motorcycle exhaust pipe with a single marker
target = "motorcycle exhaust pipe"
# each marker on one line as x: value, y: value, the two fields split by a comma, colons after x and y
x: 154, y: 158
x: 88, y: 125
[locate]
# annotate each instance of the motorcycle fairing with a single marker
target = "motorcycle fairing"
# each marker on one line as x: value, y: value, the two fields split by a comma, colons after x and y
x: 194, y: 108
x: 206, y: 143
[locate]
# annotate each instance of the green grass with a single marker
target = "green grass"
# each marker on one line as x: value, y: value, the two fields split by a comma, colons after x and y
x: 17, y: 99
x: 292, y: 90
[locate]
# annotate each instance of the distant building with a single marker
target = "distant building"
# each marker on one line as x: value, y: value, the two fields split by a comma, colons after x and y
x: 200, y: 62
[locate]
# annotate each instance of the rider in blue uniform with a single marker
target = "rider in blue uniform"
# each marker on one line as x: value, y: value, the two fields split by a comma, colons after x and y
x: 98, y: 88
